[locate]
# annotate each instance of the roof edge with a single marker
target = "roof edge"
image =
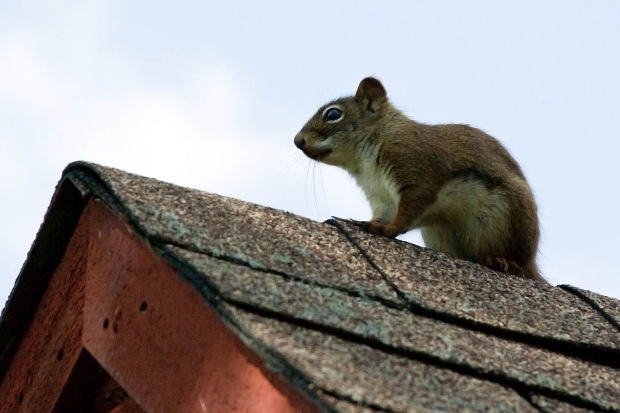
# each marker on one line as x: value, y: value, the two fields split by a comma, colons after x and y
x: 79, y: 181
x: 45, y: 254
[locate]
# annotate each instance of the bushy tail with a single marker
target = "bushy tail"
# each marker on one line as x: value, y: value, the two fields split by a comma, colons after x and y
x: 524, y: 227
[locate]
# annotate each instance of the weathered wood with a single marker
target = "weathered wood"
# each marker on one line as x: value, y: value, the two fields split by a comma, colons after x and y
x: 160, y: 340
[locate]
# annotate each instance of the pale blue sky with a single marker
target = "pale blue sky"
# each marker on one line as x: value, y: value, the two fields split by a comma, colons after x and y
x: 210, y: 95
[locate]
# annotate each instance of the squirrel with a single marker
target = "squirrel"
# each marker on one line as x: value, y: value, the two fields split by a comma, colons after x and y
x: 456, y: 183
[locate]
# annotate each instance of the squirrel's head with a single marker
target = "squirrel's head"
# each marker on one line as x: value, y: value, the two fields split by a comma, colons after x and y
x: 333, y: 135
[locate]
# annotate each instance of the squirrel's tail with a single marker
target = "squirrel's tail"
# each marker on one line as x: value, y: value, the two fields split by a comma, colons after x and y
x: 524, y: 227
x: 532, y: 272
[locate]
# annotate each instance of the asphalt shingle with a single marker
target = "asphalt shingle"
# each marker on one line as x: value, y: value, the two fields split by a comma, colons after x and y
x: 360, y: 322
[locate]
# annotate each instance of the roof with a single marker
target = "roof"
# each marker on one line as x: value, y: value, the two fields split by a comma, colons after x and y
x: 353, y: 321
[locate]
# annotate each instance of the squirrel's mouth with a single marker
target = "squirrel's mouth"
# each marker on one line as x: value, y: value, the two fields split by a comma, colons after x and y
x: 317, y: 155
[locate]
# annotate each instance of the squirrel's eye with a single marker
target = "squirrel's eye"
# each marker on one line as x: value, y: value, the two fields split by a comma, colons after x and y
x: 332, y: 115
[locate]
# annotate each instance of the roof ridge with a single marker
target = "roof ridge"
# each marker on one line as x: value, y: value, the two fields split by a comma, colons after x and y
x: 82, y: 173
x: 85, y: 172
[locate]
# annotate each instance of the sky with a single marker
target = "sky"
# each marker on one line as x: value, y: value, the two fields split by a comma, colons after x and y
x: 209, y: 95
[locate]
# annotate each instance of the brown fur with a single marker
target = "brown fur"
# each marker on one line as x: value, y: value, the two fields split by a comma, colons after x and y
x: 455, y: 182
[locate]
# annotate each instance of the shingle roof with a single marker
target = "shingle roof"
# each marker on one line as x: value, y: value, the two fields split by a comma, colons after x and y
x: 354, y: 321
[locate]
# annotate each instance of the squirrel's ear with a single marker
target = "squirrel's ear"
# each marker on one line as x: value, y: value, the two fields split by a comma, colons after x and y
x: 372, y: 90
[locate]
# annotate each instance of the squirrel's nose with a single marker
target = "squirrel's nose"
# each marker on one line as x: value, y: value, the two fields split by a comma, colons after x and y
x: 300, y: 142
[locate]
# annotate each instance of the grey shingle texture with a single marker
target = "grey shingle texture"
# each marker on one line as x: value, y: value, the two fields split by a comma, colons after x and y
x: 360, y: 323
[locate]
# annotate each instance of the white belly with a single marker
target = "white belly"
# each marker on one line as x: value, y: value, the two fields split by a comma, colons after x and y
x: 380, y: 190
